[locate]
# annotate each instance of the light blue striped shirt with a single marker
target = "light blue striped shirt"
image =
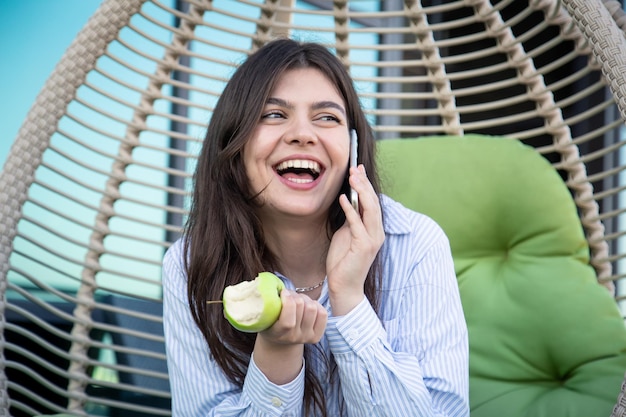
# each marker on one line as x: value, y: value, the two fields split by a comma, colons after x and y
x: 411, y: 361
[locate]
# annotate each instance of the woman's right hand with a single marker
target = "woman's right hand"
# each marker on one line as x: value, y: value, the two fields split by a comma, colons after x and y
x: 278, y: 351
x: 301, y: 320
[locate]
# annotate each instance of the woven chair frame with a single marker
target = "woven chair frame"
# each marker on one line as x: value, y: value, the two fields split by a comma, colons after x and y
x: 118, y: 121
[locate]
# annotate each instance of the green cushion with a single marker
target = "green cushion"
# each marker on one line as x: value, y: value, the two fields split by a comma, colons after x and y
x: 545, y: 338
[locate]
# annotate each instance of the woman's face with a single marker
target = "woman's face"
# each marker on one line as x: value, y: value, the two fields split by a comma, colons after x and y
x: 297, y: 157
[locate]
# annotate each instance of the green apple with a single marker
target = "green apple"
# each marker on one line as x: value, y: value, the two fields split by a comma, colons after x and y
x: 253, y: 306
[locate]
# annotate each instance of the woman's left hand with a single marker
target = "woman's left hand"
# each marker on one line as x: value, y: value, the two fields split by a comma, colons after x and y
x: 354, y: 246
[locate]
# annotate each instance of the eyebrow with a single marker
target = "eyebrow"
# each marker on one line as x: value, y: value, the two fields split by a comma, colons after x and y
x: 316, y: 106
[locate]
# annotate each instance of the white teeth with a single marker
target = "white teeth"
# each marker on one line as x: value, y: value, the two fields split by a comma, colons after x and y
x: 299, y: 163
x: 299, y: 180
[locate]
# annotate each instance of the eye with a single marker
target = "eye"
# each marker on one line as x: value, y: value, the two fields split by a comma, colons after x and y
x: 273, y: 114
x: 329, y: 118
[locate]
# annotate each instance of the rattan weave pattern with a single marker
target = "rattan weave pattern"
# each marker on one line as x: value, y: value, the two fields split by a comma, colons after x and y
x: 105, y: 155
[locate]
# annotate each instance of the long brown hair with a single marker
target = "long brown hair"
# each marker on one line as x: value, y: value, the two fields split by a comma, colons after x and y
x: 224, y: 242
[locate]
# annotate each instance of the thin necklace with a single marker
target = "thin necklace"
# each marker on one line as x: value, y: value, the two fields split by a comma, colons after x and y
x: 307, y: 289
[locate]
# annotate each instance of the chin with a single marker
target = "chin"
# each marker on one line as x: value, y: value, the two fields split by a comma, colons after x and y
x: 307, y: 210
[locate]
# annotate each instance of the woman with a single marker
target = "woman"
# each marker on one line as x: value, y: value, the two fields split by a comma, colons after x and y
x: 371, y: 323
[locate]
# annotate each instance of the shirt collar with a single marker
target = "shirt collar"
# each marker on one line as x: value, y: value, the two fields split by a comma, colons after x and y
x: 395, y: 221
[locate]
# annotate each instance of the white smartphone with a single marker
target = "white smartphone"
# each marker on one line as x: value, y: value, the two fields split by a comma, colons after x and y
x: 354, y: 196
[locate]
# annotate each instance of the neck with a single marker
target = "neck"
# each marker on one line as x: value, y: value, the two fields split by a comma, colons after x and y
x: 300, y: 249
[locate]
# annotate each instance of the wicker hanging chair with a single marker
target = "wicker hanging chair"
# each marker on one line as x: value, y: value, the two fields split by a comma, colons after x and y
x: 96, y: 185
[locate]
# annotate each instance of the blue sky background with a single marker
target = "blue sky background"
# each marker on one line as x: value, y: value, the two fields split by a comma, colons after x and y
x: 34, y: 35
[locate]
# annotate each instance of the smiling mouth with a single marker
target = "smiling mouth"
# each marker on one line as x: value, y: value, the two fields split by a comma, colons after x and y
x: 299, y: 171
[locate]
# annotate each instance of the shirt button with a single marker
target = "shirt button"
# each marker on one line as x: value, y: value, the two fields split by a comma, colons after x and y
x: 353, y: 335
x: 276, y: 402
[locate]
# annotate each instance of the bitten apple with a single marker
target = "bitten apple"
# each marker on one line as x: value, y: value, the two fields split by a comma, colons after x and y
x: 253, y: 306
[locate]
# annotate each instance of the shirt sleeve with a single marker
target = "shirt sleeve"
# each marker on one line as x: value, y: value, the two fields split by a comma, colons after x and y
x: 198, y: 385
x: 416, y: 363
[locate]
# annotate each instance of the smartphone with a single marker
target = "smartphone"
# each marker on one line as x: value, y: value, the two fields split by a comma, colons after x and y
x: 354, y: 196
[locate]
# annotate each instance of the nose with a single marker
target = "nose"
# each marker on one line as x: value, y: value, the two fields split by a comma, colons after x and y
x: 301, y: 132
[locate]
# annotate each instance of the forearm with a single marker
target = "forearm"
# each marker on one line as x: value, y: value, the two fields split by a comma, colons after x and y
x: 377, y: 380
x: 202, y: 397
x: 199, y: 387
x: 280, y: 363
x: 376, y: 386
x: 368, y: 371
x: 380, y: 383
x: 272, y: 399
